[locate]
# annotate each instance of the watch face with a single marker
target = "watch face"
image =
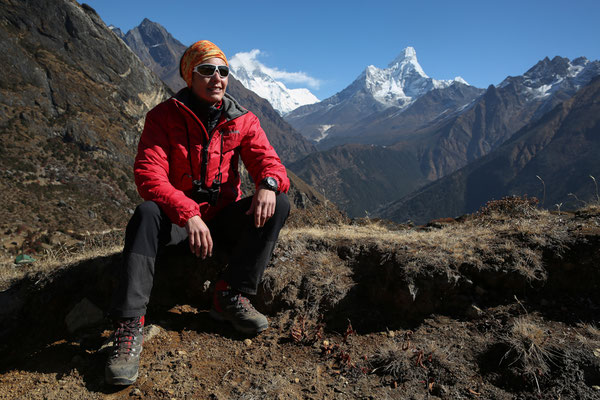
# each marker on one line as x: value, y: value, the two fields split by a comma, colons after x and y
x: 271, y: 183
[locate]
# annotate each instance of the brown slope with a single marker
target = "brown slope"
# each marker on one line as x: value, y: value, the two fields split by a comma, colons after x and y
x: 444, y: 148
x: 72, y: 101
x: 492, y: 308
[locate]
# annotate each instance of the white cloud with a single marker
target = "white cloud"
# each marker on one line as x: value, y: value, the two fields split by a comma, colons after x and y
x: 248, y: 61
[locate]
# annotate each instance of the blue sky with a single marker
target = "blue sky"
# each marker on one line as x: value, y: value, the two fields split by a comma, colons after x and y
x: 332, y: 42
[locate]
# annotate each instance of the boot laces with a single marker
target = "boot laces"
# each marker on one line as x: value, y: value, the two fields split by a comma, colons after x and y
x: 124, y: 337
x: 242, y: 303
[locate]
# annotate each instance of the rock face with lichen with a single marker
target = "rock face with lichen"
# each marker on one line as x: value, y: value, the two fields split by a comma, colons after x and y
x: 72, y: 101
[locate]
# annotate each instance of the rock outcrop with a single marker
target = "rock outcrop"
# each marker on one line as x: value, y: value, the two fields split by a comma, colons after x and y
x: 72, y: 103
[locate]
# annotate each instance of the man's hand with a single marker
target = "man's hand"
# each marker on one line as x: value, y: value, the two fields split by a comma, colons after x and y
x: 201, y: 243
x: 263, y: 206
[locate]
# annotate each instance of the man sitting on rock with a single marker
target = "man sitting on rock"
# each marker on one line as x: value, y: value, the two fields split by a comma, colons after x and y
x: 186, y: 169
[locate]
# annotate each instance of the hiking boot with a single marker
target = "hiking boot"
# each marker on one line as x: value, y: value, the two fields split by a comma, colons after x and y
x: 123, y: 362
x: 231, y: 305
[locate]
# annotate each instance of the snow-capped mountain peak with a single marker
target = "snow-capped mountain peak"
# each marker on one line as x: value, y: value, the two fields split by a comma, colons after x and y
x: 261, y: 80
x: 548, y: 76
x: 406, y: 63
x: 403, y: 81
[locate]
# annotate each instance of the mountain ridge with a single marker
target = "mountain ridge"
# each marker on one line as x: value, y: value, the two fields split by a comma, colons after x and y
x: 454, y: 138
x: 549, y: 158
x: 495, y: 116
x: 158, y: 50
x: 72, y: 99
x: 373, y: 91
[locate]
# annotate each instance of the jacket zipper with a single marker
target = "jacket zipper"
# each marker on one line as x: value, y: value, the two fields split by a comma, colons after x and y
x: 210, y: 136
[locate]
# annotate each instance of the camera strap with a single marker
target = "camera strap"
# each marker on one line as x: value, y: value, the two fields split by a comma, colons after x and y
x: 209, y: 119
x: 204, y: 165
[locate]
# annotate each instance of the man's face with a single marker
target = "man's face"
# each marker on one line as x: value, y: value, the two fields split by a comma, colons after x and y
x: 210, y: 89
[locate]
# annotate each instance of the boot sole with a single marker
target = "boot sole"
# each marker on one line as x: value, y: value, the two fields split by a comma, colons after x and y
x: 240, y: 328
x: 120, y: 380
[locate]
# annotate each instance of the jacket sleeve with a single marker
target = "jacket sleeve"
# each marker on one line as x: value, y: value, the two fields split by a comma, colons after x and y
x: 151, y: 171
x: 260, y: 157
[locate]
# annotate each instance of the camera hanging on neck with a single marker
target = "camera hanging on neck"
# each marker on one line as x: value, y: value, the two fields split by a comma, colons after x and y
x: 201, y: 192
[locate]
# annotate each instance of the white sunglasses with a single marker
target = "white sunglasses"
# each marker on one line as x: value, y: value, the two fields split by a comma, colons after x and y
x: 209, y: 70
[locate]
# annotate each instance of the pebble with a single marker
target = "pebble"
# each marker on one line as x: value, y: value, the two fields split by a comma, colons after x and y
x: 150, y: 332
x: 135, y: 392
x: 248, y: 342
x: 297, y: 380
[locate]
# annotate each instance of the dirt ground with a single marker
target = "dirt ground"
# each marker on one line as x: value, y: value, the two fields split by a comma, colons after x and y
x: 486, y: 309
x: 189, y: 356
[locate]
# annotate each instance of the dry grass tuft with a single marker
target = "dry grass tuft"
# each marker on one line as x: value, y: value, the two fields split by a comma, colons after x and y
x: 593, y: 331
x: 589, y: 336
x: 390, y: 359
x: 511, y: 206
x: 530, y: 348
x: 409, y: 362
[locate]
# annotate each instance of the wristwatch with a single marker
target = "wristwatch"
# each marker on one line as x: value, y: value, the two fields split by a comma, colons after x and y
x: 270, y: 183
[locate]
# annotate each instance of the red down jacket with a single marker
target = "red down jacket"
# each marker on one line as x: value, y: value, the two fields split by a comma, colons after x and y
x: 170, y: 154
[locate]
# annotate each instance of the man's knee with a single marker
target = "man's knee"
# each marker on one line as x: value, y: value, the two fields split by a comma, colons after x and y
x: 282, y: 207
x: 147, y: 209
x: 145, y: 217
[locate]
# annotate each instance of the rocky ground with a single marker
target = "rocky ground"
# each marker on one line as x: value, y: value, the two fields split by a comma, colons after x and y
x: 502, y: 305
x: 189, y: 356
